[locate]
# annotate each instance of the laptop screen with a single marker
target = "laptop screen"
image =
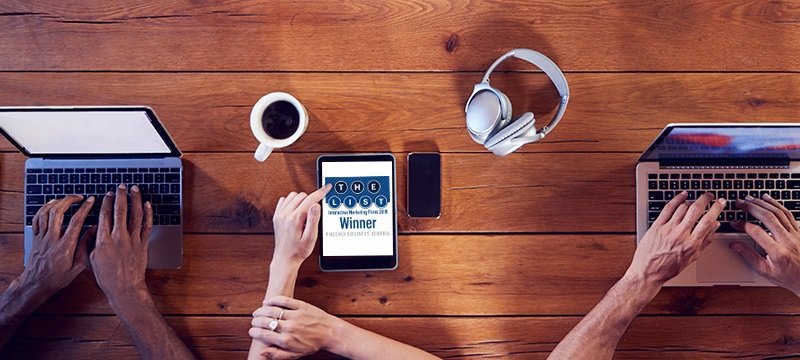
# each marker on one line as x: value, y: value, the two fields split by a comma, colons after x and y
x: 76, y: 131
x: 726, y: 142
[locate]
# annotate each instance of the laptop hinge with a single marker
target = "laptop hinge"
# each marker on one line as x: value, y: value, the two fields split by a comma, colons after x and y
x: 726, y: 163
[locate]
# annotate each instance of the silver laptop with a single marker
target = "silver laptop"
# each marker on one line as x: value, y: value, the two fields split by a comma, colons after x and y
x: 90, y: 151
x: 732, y: 161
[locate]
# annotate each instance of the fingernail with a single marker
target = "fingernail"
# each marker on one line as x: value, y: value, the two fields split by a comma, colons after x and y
x: 749, y: 198
x: 52, y: 201
x: 110, y: 193
x: 721, y: 200
x: 90, y: 199
x: 147, y: 205
x: 767, y: 197
x: 135, y: 188
x: 122, y: 186
x: 684, y: 193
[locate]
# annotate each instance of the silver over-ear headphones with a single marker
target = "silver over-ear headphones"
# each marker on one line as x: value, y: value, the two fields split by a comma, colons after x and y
x: 488, y: 110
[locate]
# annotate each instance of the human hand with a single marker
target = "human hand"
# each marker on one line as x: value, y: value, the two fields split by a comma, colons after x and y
x: 676, y: 238
x: 302, y: 329
x: 296, y: 221
x: 56, y: 258
x: 781, y: 265
x: 119, y: 258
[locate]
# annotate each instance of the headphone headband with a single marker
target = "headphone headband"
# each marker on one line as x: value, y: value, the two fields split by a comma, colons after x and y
x: 552, y: 71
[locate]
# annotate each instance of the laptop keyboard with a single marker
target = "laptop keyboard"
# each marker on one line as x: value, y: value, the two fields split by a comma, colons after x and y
x: 784, y: 187
x: 160, y: 186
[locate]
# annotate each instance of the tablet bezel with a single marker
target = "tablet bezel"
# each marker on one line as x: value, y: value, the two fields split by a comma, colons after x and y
x: 359, y: 263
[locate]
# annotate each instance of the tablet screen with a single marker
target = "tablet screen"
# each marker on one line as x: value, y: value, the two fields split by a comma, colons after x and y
x: 358, y: 213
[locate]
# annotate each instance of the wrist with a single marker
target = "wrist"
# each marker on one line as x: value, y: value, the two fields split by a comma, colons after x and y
x: 33, y: 289
x: 639, y: 287
x: 130, y: 299
x: 340, y: 332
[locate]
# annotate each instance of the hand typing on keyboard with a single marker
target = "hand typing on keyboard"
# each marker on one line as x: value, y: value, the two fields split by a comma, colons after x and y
x: 676, y: 238
x: 781, y: 265
x: 57, y: 258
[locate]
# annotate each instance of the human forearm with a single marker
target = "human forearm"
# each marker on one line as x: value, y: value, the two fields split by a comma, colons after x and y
x: 153, y: 337
x: 18, y: 301
x: 356, y: 343
x: 597, y: 335
x: 282, y: 279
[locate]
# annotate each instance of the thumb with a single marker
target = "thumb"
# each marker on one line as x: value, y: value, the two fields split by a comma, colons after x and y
x: 756, y: 261
x: 81, y: 259
x: 312, y: 224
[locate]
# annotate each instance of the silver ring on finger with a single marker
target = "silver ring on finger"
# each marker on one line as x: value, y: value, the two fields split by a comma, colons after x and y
x: 280, y: 316
x: 273, y: 325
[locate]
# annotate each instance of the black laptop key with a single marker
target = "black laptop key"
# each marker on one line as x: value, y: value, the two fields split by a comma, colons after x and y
x: 171, y: 209
x: 47, y: 189
x: 773, y: 175
x: 732, y: 195
x: 127, y: 178
x: 176, y: 199
x: 47, y: 171
x: 69, y: 189
x: 31, y: 210
x: 157, y: 199
x: 137, y: 178
x: 762, y: 176
x: 796, y: 215
x: 84, y: 178
x: 759, y: 184
x: 159, y: 178
x: 111, y: 170
x: 58, y: 189
x: 175, y: 188
x: 80, y: 189
x: 63, y: 178
x: 684, y: 184
x: 686, y: 176
x: 769, y: 184
x: 726, y: 227
x: 775, y: 194
x: 58, y: 171
x: 691, y: 195
x: 716, y: 184
x: 668, y: 195
x: 656, y: 205
x: 753, y: 193
x: 116, y: 178
x: 90, y: 189
x: 33, y: 189
x: 41, y: 179
x: 105, y: 178
x: 780, y: 184
x: 727, y: 184
x: 174, y: 178
x: 708, y: 176
x: 792, y: 205
x: 663, y: 185
x: 29, y: 220
x: 34, y: 199
x: 793, y: 184
x: 174, y: 219
x: 95, y: 178
x: 31, y: 179
x: 786, y: 195
x: 695, y: 184
x: 52, y: 178
x: 162, y: 219
x: 148, y: 178
x: 164, y: 188
x: 35, y: 171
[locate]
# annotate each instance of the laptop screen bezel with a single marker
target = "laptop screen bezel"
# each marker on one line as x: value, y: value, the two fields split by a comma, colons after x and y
x: 151, y: 115
x: 729, y: 161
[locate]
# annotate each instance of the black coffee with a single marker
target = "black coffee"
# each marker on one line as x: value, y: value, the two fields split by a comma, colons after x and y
x: 280, y: 119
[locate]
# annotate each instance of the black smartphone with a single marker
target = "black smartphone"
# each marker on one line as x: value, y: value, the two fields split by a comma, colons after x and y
x: 424, y: 185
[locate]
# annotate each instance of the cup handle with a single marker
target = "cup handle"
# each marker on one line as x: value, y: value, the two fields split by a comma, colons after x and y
x: 262, y: 152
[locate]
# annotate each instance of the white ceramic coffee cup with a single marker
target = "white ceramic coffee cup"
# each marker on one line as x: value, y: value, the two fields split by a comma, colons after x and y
x: 267, y: 143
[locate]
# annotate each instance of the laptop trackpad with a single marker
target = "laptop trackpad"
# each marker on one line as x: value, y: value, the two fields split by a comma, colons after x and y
x: 719, y: 264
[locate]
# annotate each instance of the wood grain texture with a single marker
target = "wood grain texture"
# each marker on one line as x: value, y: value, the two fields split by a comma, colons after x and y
x: 404, y: 35
x: 450, y: 338
x: 233, y: 193
x: 366, y: 112
x: 438, y: 275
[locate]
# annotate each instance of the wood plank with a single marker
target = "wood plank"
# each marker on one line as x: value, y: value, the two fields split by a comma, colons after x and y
x: 231, y: 193
x: 360, y: 35
x: 437, y: 275
x: 366, y: 112
x: 452, y: 338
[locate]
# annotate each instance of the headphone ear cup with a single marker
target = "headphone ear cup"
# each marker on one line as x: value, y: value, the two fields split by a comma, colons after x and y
x: 505, y: 103
x: 520, y: 125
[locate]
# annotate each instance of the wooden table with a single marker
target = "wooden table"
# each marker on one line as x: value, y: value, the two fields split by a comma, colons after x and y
x: 526, y: 244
